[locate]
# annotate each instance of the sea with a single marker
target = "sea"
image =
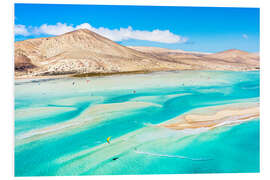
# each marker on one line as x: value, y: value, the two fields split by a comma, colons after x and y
x: 62, y: 125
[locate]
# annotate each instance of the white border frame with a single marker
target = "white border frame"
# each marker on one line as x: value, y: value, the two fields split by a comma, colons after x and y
x: 7, y: 90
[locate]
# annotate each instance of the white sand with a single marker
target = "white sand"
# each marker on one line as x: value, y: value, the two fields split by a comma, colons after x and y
x: 212, y: 117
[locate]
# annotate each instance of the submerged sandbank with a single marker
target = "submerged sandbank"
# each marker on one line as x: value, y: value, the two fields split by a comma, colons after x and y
x: 90, y: 117
x: 136, y: 142
x: 211, y: 117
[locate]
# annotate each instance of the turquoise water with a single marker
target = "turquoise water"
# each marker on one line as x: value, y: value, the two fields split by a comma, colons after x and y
x: 61, y: 128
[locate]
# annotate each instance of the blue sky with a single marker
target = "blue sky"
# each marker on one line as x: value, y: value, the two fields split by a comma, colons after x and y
x: 187, y: 28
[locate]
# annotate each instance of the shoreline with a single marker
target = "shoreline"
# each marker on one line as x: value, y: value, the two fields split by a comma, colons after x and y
x: 94, y: 74
x: 84, y: 75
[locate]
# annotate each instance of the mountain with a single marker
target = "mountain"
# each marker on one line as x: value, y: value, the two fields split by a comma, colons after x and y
x: 232, y: 59
x: 159, y: 50
x: 83, y: 51
x: 155, y: 49
x: 236, y: 56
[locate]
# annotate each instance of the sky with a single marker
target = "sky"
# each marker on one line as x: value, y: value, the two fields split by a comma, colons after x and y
x: 204, y: 29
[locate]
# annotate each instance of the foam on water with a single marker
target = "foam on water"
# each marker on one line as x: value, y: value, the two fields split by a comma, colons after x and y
x: 172, y: 156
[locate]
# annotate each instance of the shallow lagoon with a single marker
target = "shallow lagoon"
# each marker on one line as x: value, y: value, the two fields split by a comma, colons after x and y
x: 61, y: 125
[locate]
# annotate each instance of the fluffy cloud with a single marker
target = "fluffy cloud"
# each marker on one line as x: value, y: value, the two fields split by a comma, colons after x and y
x: 162, y: 36
x: 57, y: 29
x: 245, y: 36
x: 21, y: 30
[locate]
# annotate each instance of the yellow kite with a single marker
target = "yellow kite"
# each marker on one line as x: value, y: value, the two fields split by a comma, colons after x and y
x: 108, y: 139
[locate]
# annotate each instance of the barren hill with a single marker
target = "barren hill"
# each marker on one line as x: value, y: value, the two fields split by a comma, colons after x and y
x: 83, y: 51
x: 232, y: 59
x: 236, y: 56
x: 159, y: 50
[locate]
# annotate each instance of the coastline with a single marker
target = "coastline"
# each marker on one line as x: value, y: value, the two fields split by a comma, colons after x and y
x: 51, y: 77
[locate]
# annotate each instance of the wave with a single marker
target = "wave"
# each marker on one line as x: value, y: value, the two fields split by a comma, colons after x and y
x: 172, y: 156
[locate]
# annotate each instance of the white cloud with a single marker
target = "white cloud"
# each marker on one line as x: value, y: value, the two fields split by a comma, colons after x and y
x: 245, y: 36
x: 57, y: 29
x: 162, y: 36
x: 21, y: 30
